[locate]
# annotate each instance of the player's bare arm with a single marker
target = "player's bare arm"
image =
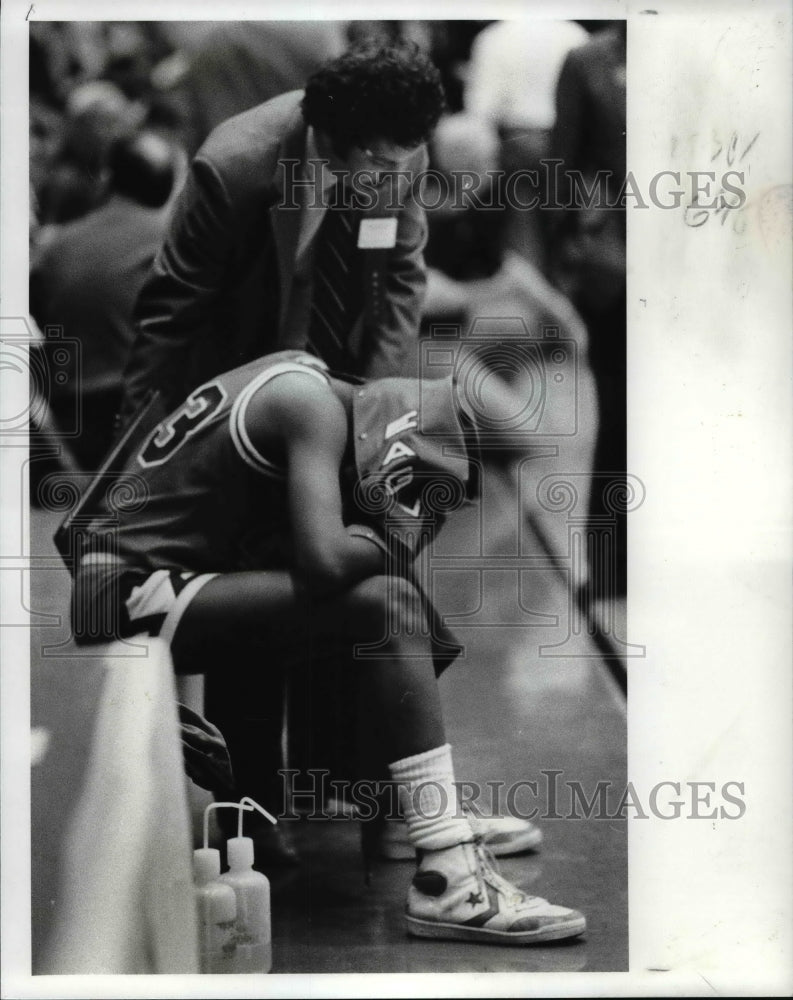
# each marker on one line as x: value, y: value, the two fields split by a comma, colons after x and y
x: 308, y: 424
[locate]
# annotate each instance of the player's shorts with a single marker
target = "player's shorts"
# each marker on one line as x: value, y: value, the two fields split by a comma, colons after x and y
x: 114, y: 600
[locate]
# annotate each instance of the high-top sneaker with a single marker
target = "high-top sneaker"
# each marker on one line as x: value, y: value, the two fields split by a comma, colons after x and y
x: 457, y: 894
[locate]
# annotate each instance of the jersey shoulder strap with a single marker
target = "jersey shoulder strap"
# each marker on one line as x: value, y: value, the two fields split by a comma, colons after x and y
x: 238, y: 425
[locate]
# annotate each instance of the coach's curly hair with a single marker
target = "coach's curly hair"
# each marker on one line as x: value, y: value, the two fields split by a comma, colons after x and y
x: 392, y: 92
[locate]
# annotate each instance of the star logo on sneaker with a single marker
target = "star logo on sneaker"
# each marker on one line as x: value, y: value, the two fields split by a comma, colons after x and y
x: 474, y: 898
x: 480, y: 919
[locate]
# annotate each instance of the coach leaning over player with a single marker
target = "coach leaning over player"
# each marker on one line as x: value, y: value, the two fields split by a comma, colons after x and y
x: 235, y: 277
x: 254, y: 261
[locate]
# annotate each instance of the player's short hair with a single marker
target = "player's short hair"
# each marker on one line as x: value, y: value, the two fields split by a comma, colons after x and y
x: 374, y: 91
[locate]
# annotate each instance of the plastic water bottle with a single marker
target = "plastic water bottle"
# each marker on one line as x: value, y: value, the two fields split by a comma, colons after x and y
x: 253, y: 951
x: 252, y: 929
x: 217, y: 913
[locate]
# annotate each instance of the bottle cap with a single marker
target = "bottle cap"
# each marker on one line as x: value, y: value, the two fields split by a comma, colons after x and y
x: 206, y: 864
x: 240, y: 852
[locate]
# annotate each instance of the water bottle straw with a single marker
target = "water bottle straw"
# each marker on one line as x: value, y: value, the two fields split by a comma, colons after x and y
x: 218, y: 805
x: 247, y: 803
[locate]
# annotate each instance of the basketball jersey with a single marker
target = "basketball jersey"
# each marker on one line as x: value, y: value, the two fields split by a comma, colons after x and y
x: 206, y: 499
x: 413, y: 458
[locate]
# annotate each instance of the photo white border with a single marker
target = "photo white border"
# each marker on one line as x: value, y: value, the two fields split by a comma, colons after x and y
x: 709, y: 319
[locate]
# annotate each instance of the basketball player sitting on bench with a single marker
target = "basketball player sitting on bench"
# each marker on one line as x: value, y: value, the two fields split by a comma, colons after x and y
x: 280, y: 467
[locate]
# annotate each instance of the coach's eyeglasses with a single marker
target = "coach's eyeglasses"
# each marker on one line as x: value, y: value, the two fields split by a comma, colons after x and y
x: 382, y: 162
x: 389, y: 157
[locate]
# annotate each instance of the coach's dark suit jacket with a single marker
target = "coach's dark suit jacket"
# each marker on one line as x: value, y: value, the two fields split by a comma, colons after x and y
x: 223, y: 289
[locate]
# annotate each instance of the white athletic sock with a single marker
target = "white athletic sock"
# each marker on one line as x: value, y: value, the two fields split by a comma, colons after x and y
x: 428, y: 798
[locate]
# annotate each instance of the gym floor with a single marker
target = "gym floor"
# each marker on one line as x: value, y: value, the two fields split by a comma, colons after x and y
x: 514, y: 712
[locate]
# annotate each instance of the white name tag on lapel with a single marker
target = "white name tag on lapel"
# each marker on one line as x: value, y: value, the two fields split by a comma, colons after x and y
x: 377, y: 234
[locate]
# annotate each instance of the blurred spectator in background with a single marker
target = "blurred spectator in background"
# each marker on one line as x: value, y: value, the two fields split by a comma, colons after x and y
x: 236, y: 65
x: 96, y: 115
x: 470, y: 260
x: 64, y: 54
x: 132, y: 50
x: 465, y: 243
x: 503, y: 305
x: 90, y: 84
x: 87, y: 276
x: 46, y: 127
x: 588, y: 251
x: 448, y: 44
x: 511, y: 84
x: 452, y: 43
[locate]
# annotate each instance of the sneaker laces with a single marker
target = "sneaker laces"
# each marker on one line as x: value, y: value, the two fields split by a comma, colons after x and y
x: 489, y: 869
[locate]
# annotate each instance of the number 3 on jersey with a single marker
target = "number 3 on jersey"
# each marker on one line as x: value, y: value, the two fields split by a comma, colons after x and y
x: 169, y: 436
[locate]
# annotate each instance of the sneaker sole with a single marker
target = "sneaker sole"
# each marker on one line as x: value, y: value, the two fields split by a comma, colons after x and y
x: 484, y: 935
x: 404, y: 851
